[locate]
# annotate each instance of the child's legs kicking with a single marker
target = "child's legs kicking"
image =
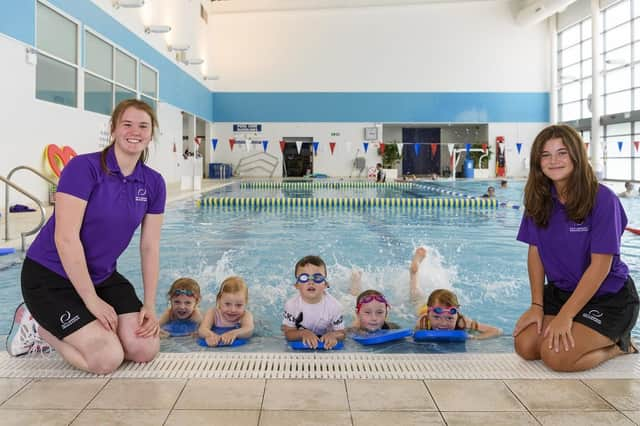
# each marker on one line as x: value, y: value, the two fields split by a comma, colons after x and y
x: 414, y: 290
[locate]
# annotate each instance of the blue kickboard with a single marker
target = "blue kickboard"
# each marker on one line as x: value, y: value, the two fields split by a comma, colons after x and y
x: 300, y: 346
x: 177, y: 328
x: 381, y: 336
x: 222, y: 330
x: 440, y: 336
x: 7, y: 250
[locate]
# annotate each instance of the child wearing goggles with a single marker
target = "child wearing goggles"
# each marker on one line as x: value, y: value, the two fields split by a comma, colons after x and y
x: 184, y: 297
x: 313, y: 315
x: 229, y: 313
x: 372, y: 308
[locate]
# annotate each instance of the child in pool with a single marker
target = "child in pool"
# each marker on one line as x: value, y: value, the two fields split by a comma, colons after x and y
x: 229, y: 312
x: 372, y: 308
x: 184, y: 297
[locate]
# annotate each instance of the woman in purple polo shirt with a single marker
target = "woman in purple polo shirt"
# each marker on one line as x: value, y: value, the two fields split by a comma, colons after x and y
x: 584, y: 314
x: 86, y: 310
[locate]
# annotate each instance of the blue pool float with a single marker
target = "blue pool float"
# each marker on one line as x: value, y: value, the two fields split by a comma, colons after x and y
x: 382, y: 336
x: 8, y: 250
x: 299, y: 345
x: 440, y: 336
x: 222, y: 330
x: 177, y: 328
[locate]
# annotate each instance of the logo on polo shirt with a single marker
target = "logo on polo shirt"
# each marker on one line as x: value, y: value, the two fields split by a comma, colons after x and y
x: 578, y: 227
x: 593, y: 315
x: 142, y: 195
x: 67, y: 321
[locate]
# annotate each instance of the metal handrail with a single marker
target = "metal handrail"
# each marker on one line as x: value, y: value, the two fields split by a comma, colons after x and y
x: 43, y: 213
x: 273, y: 166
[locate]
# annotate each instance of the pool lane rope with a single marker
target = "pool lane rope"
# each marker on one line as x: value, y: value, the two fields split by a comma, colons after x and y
x: 352, y: 203
x: 261, y: 184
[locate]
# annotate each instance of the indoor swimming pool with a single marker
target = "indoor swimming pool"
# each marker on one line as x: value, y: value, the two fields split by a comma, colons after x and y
x: 472, y: 251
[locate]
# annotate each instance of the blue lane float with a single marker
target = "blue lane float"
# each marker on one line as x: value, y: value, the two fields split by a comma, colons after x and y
x: 7, y: 250
x: 440, y: 336
x: 178, y: 328
x: 262, y: 184
x: 299, y: 345
x: 222, y: 330
x: 381, y: 336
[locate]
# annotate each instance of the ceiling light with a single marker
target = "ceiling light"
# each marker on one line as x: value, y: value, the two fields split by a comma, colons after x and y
x: 158, y: 29
x: 178, y: 47
x: 211, y: 77
x: 194, y: 61
x: 128, y: 3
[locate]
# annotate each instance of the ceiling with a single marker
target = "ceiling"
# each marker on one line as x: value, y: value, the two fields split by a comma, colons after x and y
x: 253, y: 6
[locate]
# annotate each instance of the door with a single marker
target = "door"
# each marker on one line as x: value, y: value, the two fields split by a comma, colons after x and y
x: 296, y: 164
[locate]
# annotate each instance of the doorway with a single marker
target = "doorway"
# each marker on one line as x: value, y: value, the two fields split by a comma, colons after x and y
x: 294, y: 163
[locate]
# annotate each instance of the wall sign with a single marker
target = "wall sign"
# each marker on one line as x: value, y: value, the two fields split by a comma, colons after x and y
x: 370, y: 133
x: 247, y: 128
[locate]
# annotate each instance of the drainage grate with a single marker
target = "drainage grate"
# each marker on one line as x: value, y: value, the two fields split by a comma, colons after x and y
x: 321, y: 366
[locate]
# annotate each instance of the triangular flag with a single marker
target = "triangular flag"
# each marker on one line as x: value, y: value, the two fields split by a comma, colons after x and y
x: 282, y: 144
x: 399, y: 145
x: 366, y: 146
x: 434, y: 150
x: 467, y: 146
x: 620, y: 146
x: 214, y: 143
x: 416, y: 148
x: 636, y: 143
x: 451, y: 146
x: 264, y: 145
x: 315, y: 147
x: 484, y: 148
x: 518, y: 147
x: 232, y: 142
x: 299, y: 146
x: 381, y: 148
x: 501, y: 147
x: 247, y: 144
x: 332, y: 146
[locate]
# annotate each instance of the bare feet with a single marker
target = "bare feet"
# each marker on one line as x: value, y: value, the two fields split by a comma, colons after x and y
x: 356, y: 282
x: 418, y: 256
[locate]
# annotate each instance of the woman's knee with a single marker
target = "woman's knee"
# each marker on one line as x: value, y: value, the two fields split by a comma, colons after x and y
x: 526, y: 347
x: 105, y: 360
x: 142, y: 349
x: 561, y: 361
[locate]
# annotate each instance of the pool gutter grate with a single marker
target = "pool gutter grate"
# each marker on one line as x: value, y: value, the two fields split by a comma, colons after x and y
x: 321, y: 366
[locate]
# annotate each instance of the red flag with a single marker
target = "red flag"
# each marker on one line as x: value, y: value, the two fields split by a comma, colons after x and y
x: 332, y: 145
x: 636, y: 143
x: 382, y: 148
x: 232, y: 142
x: 484, y: 148
x: 282, y: 144
x: 434, y: 149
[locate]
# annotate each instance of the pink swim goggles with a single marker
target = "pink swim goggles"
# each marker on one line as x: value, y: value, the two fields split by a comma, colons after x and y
x: 369, y: 298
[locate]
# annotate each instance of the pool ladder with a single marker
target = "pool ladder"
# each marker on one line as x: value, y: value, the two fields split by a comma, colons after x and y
x: 254, y: 162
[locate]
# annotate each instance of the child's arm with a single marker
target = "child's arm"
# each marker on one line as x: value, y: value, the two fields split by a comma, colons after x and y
x: 206, y: 325
x: 244, y: 332
x: 414, y: 289
x: 331, y: 338
x: 485, y: 331
x: 308, y: 337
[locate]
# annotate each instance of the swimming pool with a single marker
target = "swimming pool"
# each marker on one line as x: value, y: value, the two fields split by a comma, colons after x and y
x: 472, y: 251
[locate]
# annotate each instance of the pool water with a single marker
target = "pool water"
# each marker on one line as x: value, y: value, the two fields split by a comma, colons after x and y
x: 471, y: 251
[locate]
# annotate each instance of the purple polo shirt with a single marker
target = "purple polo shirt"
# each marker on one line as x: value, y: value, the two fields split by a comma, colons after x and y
x: 565, y: 246
x: 115, y: 208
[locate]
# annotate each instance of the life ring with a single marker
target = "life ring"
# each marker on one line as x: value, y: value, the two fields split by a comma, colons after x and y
x: 58, y: 158
x: 633, y: 230
x: 222, y: 330
x: 440, y: 336
x: 299, y: 345
x: 381, y: 336
x: 177, y: 328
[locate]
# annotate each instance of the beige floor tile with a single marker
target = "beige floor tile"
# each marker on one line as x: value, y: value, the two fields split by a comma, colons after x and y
x: 473, y: 395
x: 121, y: 417
x: 149, y: 394
x: 305, y: 418
x: 556, y: 395
x: 36, y: 417
x: 305, y: 395
x: 401, y: 418
x: 623, y: 394
x: 633, y: 415
x: 10, y: 386
x: 213, y: 418
x: 389, y: 395
x: 56, y: 394
x: 595, y: 418
x: 210, y: 394
x: 486, y: 418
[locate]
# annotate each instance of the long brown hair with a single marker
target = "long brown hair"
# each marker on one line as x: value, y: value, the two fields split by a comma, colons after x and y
x: 581, y: 189
x: 115, y: 117
x: 444, y: 297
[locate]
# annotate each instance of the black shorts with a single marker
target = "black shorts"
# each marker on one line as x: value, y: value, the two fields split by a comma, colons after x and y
x: 55, y: 304
x: 612, y: 315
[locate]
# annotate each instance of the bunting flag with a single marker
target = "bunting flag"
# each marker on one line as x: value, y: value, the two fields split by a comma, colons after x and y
x: 501, y: 147
x: 214, y: 143
x: 484, y: 148
x: 399, y: 145
x: 434, y: 150
x: 620, y: 146
x: 451, y: 146
x: 232, y: 142
x: 315, y: 147
x: 264, y: 145
x: 518, y: 147
x: 299, y: 146
x: 332, y: 146
x: 382, y: 148
x: 467, y: 147
x: 247, y: 144
x: 636, y: 143
x: 282, y: 145
x: 416, y: 148
x: 366, y: 146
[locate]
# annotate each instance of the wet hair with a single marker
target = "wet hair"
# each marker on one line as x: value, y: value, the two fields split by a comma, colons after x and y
x: 116, y: 115
x: 233, y: 284
x: 445, y: 297
x: 581, y: 189
x: 187, y: 284
x: 313, y: 260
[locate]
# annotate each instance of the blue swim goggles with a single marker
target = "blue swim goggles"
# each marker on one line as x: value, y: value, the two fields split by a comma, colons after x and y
x: 439, y: 310
x: 317, y: 278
